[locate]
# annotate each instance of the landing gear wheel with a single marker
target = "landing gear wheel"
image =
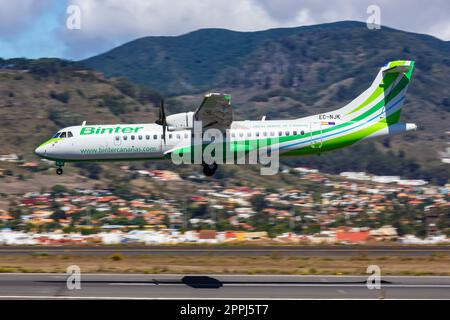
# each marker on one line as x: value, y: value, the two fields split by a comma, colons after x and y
x: 209, y: 169
x: 59, y: 165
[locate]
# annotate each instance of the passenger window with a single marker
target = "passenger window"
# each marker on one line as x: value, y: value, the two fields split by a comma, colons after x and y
x: 265, y: 133
x: 178, y: 137
x: 132, y: 137
x: 272, y: 133
x: 294, y: 133
x: 241, y: 134
x: 170, y: 136
x: 249, y: 134
x: 288, y: 133
x: 63, y: 135
x: 69, y: 134
x: 140, y: 137
x: 155, y: 136
x: 280, y: 133
x: 302, y: 132
x: 147, y: 137
x: 117, y: 138
x: 186, y: 135
x: 125, y: 137
x: 257, y: 134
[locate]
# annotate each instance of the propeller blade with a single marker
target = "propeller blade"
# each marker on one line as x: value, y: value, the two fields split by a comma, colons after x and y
x: 163, y: 112
x: 163, y: 120
x: 160, y: 115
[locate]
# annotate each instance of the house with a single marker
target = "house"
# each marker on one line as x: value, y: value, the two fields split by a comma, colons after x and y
x: 355, y: 235
x: 207, y: 236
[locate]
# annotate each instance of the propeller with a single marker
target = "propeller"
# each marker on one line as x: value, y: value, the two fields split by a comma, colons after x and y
x: 162, y: 119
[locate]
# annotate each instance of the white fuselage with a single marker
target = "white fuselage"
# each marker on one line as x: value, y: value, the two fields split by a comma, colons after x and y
x: 145, y: 141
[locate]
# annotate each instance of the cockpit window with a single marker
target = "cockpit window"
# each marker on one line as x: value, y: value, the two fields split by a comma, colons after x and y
x: 69, y: 134
x: 63, y: 135
x: 57, y: 135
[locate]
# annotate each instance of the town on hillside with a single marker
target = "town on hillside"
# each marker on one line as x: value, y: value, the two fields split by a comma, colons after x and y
x: 353, y: 207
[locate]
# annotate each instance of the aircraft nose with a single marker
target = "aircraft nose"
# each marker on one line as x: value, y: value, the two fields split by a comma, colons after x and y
x: 39, y: 151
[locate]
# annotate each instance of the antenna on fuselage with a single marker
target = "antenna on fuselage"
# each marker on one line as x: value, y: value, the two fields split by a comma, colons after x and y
x: 83, y: 124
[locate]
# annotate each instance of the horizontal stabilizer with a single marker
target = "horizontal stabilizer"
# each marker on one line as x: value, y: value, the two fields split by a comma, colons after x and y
x: 398, y: 69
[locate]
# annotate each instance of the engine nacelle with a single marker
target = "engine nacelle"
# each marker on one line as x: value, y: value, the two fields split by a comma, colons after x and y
x: 180, y: 121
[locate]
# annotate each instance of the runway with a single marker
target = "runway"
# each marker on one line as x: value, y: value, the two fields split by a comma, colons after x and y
x: 307, y: 250
x: 149, y: 286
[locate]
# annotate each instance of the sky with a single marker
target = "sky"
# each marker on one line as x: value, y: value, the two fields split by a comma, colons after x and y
x: 77, y: 29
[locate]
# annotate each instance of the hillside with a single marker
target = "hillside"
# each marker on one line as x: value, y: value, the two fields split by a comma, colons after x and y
x: 294, y: 72
x: 202, y: 59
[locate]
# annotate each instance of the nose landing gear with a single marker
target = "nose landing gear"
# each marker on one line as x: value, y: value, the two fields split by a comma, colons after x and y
x: 59, y: 170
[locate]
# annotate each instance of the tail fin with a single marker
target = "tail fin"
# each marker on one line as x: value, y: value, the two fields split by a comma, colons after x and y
x: 385, y: 96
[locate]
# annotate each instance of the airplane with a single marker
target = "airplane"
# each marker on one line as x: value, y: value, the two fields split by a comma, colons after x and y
x: 374, y: 113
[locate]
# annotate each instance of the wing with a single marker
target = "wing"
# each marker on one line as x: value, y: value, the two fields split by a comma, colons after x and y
x: 215, y: 111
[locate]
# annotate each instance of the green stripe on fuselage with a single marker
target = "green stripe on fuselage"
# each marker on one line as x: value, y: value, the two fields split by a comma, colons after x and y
x: 50, y: 141
x: 339, y: 142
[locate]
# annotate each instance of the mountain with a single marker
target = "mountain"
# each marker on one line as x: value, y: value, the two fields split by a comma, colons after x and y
x: 206, y: 58
x: 294, y: 72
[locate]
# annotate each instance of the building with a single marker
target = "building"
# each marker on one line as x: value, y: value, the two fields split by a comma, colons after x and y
x: 354, y: 235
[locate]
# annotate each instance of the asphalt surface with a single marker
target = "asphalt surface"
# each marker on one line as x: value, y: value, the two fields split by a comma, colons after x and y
x: 396, y: 250
x: 139, y: 286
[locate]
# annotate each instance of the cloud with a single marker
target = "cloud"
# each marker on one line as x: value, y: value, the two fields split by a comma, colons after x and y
x: 441, y: 30
x: 18, y: 15
x: 109, y: 23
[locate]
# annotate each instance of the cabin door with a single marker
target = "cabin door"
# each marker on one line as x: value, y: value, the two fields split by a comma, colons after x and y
x: 315, y: 133
x: 117, y: 140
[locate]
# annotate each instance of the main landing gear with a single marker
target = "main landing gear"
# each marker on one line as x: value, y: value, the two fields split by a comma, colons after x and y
x: 209, y: 169
x: 59, y: 170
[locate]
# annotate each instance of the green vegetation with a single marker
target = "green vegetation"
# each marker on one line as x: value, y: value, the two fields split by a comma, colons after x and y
x: 116, y: 257
x: 62, y: 96
x: 91, y: 170
x: 63, y: 117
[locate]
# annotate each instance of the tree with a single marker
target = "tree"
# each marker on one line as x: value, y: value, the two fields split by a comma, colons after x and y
x: 59, y: 189
x: 126, y: 87
x: 62, y: 96
x: 258, y: 202
x: 90, y: 169
x: 58, y: 214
